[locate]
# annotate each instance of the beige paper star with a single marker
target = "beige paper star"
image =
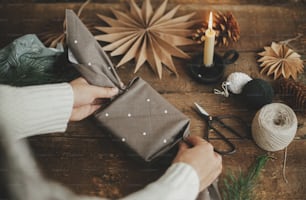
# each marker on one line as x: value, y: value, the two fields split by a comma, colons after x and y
x: 280, y: 60
x: 147, y: 35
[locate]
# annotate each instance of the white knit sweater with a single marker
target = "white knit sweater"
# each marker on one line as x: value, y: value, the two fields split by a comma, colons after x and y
x: 45, y: 109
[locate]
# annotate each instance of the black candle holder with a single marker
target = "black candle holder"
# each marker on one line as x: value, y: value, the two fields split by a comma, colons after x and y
x: 211, y: 74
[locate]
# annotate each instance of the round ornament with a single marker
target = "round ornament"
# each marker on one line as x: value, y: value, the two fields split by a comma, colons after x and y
x: 234, y: 84
x: 257, y: 93
x: 236, y: 81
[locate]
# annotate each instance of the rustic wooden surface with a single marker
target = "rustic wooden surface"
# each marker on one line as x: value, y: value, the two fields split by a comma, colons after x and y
x: 86, y: 160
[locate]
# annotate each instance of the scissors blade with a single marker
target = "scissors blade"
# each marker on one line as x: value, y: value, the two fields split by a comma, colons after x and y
x: 200, y: 109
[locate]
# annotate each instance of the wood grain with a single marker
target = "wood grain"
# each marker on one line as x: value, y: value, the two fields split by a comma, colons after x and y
x: 264, y: 2
x: 264, y: 21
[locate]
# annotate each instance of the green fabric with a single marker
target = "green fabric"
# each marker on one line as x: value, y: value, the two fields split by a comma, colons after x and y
x: 26, y: 61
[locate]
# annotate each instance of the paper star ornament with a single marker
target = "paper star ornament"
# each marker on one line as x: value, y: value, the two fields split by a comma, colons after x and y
x: 147, y: 35
x: 280, y: 60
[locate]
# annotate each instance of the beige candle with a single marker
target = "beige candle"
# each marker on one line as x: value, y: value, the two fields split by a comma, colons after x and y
x: 209, y: 43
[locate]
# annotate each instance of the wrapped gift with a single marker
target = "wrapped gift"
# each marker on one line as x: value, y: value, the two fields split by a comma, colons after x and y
x: 139, y: 117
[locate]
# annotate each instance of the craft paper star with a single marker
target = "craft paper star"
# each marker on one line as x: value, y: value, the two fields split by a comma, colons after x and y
x: 147, y: 35
x: 280, y: 60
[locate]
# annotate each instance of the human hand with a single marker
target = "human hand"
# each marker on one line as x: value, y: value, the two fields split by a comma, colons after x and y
x: 202, y: 158
x: 85, y: 96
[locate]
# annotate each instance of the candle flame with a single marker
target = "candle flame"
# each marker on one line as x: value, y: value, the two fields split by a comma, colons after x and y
x: 210, y: 22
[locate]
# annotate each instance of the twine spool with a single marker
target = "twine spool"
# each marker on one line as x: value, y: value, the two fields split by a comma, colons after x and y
x: 274, y: 126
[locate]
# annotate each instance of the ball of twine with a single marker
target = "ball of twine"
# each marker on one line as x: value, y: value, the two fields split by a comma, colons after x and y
x: 236, y: 81
x: 274, y: 126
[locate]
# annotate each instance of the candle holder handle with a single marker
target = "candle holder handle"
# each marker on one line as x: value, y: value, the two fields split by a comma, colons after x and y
x: 230, y: 56
x: 214, y: 73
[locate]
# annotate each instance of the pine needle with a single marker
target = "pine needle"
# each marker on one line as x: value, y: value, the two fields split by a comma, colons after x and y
x: 240, y: 186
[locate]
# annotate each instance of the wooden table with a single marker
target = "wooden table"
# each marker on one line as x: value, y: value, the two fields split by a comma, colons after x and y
x: 86, y: 160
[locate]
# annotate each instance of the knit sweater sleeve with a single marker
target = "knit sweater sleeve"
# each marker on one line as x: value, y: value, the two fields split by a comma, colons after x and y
x: 35, y: 110
x: 44, y: 109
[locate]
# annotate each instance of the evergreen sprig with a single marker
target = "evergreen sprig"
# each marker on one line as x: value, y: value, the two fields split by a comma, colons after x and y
x: 240, y: 186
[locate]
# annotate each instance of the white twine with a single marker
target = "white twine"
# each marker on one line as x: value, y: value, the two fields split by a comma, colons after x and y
x: 225, y: 90
x: 274, y: 126
x: 82, y: 7
x: 284, y: 166
x: 286, y: 42
x: 234, y: 83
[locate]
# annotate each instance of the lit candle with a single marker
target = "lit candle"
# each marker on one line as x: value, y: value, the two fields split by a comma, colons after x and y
x: 209, y: 43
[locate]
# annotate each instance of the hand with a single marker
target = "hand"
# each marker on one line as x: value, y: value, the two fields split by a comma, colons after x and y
x: 202, y: 158
x: 85, y: 96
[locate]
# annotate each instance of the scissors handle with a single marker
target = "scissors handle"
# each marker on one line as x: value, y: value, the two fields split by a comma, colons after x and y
x: 231, y: 146
x: 212, y: 121
x: 241, y: 122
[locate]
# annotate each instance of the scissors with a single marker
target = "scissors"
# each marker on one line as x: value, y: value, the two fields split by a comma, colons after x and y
x: 213, y: 122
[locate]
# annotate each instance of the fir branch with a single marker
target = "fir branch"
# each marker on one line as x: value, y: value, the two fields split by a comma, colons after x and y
x: 240, y: 186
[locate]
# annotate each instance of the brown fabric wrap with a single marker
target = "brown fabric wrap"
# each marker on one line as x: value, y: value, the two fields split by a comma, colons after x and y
x: 139, y: 117
x: 146, y: 122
